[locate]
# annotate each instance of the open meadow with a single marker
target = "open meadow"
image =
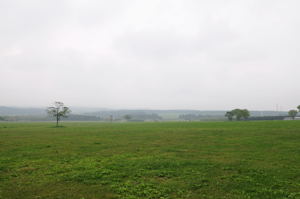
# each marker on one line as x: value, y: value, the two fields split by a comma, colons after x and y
x: 191, y: 160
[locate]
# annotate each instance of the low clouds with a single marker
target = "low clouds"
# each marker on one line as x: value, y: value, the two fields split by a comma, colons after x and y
x: 153, y: 54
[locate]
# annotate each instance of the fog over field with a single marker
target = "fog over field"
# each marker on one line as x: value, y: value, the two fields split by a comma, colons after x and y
x: 172, y: 54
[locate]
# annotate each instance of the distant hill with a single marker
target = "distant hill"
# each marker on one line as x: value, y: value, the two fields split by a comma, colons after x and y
x: 14, y: 111
x: 20, y: 111
x: 175, y: 114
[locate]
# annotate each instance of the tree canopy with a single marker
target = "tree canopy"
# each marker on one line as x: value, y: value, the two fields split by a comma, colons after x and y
x: 238, y: 114
x: 229, y: 115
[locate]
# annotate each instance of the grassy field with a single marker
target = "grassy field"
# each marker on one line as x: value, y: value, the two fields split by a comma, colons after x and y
x: 150, y: 160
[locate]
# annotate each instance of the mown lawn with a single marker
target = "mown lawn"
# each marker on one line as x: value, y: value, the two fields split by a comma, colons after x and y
x: 191, y: 160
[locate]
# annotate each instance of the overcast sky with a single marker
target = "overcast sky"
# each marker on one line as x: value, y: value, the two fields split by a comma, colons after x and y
x: 158, y: 54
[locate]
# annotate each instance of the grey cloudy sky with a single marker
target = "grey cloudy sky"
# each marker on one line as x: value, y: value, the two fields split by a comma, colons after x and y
x: 158, y: 54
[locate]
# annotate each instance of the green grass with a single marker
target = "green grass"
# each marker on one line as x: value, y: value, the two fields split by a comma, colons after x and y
x: 190, y: 160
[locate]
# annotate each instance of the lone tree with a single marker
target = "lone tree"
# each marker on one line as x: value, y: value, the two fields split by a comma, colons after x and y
x: 58, y: 111
x: 298, y: 107
x: 229, y: 115
x: 292, y: 113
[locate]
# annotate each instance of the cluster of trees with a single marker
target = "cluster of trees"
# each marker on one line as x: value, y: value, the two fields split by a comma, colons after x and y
x: 293, y: 113
x: 127, y: 117
x: 238, y: 114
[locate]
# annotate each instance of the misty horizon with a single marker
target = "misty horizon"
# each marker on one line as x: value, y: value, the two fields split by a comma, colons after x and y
x: 137, y: 109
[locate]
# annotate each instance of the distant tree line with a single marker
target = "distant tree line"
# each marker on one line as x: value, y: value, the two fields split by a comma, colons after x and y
x: 244, y: 114
x: 200, y: 117
x: 237, y: 114
x: 267, y: 118
x: 59, y: 111
x: 142, y: 117
x: 190, y: 117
